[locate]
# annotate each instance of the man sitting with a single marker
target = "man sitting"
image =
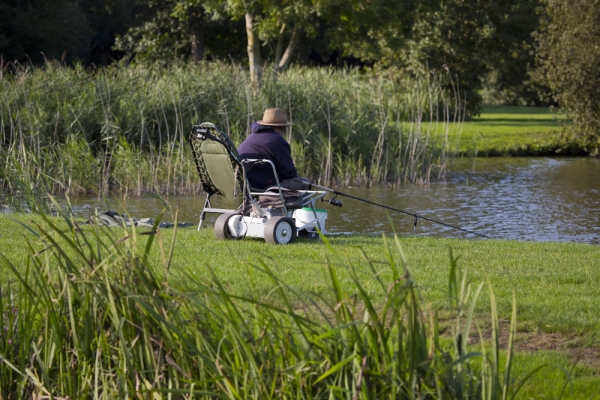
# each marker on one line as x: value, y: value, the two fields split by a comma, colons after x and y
x: 267, y: 142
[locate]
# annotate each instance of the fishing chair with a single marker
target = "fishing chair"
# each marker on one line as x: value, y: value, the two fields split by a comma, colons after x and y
x: 217, y: 164
x: 222, y: 173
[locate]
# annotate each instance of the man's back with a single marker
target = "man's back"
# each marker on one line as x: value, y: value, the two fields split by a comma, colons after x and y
x: 265, y: 143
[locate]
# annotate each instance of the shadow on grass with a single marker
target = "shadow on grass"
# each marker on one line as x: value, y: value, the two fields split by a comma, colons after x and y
x: 517, y: 122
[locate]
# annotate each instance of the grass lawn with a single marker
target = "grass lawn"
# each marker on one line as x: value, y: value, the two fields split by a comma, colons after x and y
x: 511, y: 130
x: 557, y: 285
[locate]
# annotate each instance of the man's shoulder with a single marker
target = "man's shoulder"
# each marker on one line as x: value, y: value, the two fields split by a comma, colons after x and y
x: 259, y: 140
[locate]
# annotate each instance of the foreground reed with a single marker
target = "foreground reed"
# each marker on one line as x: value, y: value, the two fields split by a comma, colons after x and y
x: 90, y: 315
x: 122, y: 129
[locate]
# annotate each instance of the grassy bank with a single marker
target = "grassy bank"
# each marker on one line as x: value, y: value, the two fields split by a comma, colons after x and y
x: 533, y: 269
x: 555, y: 285
x: 512, y: 131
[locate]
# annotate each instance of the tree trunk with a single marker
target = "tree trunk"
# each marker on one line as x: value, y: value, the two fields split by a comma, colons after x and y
x: 289, y: 51
x: 279, y: 48
x: 253, y: 51
x: 198, y: 42
x: 197, y: 39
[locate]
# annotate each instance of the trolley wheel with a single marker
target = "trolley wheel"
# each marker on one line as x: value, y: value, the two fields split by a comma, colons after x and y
x: 222, y: 231
x: 280, y: 230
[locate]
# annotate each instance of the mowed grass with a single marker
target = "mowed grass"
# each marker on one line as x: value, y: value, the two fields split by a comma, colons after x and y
x: 511, y: 130
x: 556, y: 284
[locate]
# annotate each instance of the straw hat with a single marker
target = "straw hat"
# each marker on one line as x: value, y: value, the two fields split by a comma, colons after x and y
x: 274, y: 117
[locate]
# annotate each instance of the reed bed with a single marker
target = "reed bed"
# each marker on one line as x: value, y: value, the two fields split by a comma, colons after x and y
x: 89, y: 315
x: 70, y: 130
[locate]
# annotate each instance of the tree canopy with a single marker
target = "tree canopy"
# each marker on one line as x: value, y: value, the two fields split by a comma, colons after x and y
x: 482, y: 44
x: 569, y: 64
x: 68, y: 30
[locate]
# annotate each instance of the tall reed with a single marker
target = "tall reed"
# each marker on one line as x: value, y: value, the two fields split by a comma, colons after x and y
x: 123, y: 129
x: 90, y: 315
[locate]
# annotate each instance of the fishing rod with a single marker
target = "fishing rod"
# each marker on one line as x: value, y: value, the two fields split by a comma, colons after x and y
x: 338, y: 203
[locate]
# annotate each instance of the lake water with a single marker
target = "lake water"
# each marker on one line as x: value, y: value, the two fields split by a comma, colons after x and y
x: 533, y: 199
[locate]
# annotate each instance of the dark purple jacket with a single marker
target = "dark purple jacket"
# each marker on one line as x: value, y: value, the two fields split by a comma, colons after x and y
x: 265, y: 143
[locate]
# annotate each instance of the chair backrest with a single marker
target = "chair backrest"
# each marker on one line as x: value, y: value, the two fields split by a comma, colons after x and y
x: 217, y: 161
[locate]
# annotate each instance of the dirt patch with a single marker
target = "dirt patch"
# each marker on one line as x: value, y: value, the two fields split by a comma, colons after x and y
x: 572, y: 345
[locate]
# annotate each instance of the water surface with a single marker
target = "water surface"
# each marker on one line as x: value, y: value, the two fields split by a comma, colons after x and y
x: 535, y: 199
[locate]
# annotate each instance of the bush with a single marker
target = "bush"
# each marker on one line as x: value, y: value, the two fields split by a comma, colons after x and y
x: 568, y: 58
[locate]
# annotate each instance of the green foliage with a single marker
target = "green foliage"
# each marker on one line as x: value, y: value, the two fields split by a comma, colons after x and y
x: 91, y: 314
x: 568, y: 58
x: 161, y: 39
x: 367, y: 30
x: 476, y: 41
x: 173, y: 31
x: 510, y: 57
